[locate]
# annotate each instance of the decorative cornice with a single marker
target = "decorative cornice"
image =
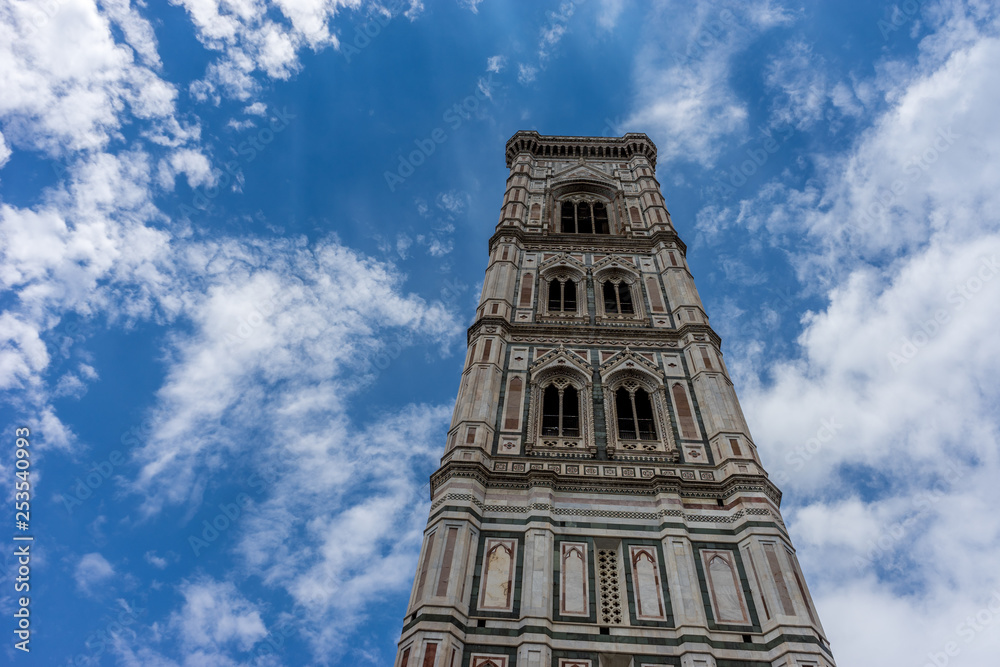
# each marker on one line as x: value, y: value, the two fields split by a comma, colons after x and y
x: 576, y: 333
x: 624, y: 147
x: 536, y: 241
x: 639, y: 485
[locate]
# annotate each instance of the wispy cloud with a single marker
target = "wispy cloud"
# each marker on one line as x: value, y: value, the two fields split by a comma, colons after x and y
x: 685, y: 100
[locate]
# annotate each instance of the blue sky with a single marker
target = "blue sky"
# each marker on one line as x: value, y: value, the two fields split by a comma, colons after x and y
x: 216, y: 307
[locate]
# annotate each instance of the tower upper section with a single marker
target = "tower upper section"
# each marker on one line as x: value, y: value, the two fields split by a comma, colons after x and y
x: 583, y: 185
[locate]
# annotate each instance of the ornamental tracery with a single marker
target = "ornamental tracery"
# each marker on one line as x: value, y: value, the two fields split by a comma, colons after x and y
x: 635, y: 408
x: 561, y: 414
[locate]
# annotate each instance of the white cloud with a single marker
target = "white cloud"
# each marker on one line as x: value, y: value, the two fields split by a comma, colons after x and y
x: 526, y: 73
x: 190, y: 162
x: 684, y: 99
x: 607, y: 15
x: 471, y: 5
x: 67, y: 81
x: 496, y: 63
x: 215, y: 614
x: 256, y: 109
x: 304, y: 318
x: 92, y: 571
x: 5, y: 151
x: 453, y: 202
x: 265, y: 37
x: 156, y: 561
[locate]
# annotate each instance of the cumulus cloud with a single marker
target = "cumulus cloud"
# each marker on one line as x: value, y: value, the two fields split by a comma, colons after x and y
x: 265, y: 38
x: 68, y: 81
x: 214, y: 614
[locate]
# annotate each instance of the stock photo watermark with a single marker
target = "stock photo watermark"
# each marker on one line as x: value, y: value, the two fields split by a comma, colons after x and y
x: 454, y: 116
x: 958, y: 296
x: 710, y: 36
x: 900, y: 15
x: 363, y: 36
x: 797, y: 459
x: 246, y: 151
x: 920, y: 504
x: 98, y: 472
x: 758, y: 153
x: 915, y: 168
x: 966, y: 631
x: 229, y: 513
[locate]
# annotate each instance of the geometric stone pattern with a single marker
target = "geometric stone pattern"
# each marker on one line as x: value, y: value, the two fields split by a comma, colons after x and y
x: 600, y: 501
x: 611, y: 599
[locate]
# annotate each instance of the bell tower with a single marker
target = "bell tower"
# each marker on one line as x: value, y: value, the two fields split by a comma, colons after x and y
x: 600, y: 501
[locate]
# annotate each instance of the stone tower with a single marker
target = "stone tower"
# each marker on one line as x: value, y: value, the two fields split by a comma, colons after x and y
x: 600, y: 501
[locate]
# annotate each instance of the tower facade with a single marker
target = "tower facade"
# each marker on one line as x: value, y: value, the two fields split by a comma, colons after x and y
x: 600, y: 501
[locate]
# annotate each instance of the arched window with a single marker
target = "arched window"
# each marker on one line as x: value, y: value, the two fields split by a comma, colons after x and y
x: 562, y: 296
x: 584, y: 218
x: 635, y: 414
x: 617, y: 298
x: 561, y: 411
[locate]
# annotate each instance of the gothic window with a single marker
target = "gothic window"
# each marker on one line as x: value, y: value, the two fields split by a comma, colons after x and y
x: 617, y: 298
x: 560, y: 415
x: 562, y: 296
x: 584, y: 218
x: 635, y: 414
x: 561, y: 411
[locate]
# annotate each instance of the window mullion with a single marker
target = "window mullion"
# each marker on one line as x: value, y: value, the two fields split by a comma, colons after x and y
x: 635, y: 415
x: 560, y: 412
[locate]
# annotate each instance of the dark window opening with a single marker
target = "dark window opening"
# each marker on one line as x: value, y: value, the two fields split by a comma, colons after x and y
x: 550, y: 411
x: 644, y: 415
x: 635, y: 415
x: 601, y: 219
x: 561, y: 412
x: 568, y: 218
x: 617, y: 299
x: 626, y: 421
x: 571, y: 413
x: 562, y: 296
x: 584, y: 218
